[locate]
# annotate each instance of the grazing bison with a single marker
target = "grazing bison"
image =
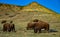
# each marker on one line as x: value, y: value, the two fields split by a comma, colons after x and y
x: 38, y: 25
x: 30, y: 25
x: 12, y: 26
x: 6, y: 27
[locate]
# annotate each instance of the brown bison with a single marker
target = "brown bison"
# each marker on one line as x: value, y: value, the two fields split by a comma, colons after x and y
x: 38, y: 25
x: 41, y: 25
x: 12, y: 26
x: 8, y: 26
x: 30, y: 25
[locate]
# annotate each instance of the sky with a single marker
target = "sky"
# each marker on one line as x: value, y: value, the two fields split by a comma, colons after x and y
x: 51, y: 4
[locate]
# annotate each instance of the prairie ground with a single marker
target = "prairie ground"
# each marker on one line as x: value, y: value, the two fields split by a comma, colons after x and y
x: 21, y: 19
x: 22, y: 32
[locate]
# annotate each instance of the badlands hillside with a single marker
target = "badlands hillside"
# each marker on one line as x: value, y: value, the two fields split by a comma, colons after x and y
x: 29, y: 12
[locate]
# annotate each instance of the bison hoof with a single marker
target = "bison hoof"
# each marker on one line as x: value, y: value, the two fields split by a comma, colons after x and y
x: 35, y: 31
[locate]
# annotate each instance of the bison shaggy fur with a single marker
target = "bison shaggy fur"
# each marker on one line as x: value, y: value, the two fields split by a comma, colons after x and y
x: 6, y: 27
x: 37, y: 26
x: 40, y: 25
x: 30, y: 25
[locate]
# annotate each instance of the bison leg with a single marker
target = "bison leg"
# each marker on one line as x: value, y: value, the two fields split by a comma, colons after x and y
x: 13, y: 28
x: 35, y: 30
x: 47, y: 28
x: 9, y: 30
x: 39, y: 30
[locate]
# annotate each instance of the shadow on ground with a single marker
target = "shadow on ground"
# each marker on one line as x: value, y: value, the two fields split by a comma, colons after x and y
x: 53, y: 30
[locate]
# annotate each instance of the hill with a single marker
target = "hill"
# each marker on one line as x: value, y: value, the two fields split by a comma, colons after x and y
x: 31, y: 11
x: 34, y: 6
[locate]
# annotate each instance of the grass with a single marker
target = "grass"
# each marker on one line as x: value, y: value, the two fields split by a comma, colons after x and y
x: 22, y: 32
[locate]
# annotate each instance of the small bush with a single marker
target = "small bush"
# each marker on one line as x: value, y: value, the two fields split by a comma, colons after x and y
x: 6, y: 14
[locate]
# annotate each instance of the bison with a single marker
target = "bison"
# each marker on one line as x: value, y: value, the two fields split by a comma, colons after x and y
x: 41, y: 25
x: 37, y: 26
x: 30, y: 25
x: 12, y: 26
x: 8, y: 26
